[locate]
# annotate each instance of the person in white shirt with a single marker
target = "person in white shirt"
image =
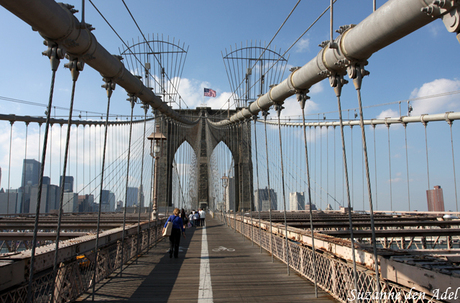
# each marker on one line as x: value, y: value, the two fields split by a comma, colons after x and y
x: 202, y: 216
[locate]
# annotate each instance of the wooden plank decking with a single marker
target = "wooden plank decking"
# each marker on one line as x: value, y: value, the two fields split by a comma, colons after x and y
x: 240, y: 275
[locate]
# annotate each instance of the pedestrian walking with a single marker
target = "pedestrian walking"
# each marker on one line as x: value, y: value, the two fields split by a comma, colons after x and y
x: 177, y: 229
x: 202, y: 216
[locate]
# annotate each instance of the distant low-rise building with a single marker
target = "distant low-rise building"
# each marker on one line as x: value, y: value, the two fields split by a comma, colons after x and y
x: 8, y: 200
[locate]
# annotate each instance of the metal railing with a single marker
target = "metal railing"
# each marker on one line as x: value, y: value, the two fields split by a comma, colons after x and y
x: 334, y: 275
x: 76, y: 276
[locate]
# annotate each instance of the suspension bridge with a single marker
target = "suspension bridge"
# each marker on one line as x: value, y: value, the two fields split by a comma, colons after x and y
x: 330, y: 212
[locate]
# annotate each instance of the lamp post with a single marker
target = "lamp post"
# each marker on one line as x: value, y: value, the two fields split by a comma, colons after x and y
x: 155, y: 151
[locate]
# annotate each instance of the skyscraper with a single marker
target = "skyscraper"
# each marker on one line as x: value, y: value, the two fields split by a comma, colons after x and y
x: 30, y: 172
x: 230, y: 194
x: 435, y: 199
x: 132, y: 196
x: 297, y: 201
x: 262, y: 201
x: 68, y: 183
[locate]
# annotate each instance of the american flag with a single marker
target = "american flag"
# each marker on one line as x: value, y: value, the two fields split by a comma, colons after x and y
x: 209, y: 92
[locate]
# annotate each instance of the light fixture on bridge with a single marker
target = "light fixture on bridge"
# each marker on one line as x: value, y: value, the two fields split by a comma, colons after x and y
x: 156, y: 139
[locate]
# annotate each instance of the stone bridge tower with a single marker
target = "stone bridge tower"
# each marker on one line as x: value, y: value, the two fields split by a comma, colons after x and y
x: 203, y: 137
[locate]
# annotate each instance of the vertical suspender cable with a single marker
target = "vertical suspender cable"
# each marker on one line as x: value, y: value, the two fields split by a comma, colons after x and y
x: 426, y: 148
x: 150, y: 198
x: 316, y: 166
x: 9, y: 169
x: 321, y: 165
x: 141, y: 187
x: 90, y: 181
x: 76, y: 160
x: 51, y: 146
x: 169, y: 144
x: 335, y: 169
x: 389, y: 167
x: 55, y: 54
x: 278, y: 108
x: 75, y: 68
x: 352, y: 168
x: 265, y: 114
x: 327, y: 165
x: 39, y: 140
x: 337, y: 82
x: 21, y: 210
x: 259, y: 206
x: 302, y: 98
x: 369, y: 192
x: 407, y: 165
x: 375, y: 170
x: 250, y: 170
x: 132, y: 100
x: 109, y: 86
x: 453, y: 163
x: 235, y: 164
x: 60, y: 148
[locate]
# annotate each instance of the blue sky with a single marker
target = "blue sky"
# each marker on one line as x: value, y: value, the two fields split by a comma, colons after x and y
x: 422, y: 64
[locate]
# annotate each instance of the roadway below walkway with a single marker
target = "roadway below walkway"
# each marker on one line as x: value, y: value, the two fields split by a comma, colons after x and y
x: 215, y: 264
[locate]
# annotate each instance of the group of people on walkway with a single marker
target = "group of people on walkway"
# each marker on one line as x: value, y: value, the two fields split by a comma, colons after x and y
x: 180, y: 221
x: 197, y: 218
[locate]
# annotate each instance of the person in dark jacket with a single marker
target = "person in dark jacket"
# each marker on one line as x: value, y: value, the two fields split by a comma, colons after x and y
x: 184, y: 217
x: 177, y: 229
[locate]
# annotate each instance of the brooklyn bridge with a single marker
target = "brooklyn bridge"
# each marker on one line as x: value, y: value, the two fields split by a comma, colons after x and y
x: 302, y: 205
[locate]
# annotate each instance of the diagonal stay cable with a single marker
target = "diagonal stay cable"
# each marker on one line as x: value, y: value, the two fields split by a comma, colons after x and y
x: 290, y: 47
x: 137, y: 25
x: 119, y: 37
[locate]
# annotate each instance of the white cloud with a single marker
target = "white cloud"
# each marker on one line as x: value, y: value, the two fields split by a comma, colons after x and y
x: 437, y: 104
x: 292, y: 107
x: 303, y: 45
x: 192, y: 92
x: 434, y: 29
x: 317, y: 88
x: 389, y: 113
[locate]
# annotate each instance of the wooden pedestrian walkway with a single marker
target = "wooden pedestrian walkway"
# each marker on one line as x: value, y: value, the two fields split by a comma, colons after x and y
x: 231, y: 269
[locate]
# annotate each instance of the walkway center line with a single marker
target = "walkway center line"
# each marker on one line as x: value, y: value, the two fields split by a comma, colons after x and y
x: 205, y: 289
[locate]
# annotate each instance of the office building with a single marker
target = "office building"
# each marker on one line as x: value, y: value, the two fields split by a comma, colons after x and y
x: 70, y: 202
x: 108, y: 201
x: 8, y: 200
x: 30, y: 172
x: 262, y: 201
x: 230, y: 194
x: 132, y: 196
x: 297, y: 201
x: 435, y: 199
x: 68, y: 183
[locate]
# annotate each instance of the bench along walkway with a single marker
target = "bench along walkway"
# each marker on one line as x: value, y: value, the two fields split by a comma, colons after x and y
x: 215, y: 265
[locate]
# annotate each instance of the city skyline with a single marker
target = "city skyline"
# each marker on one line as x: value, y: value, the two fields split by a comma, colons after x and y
x: 24, y: 198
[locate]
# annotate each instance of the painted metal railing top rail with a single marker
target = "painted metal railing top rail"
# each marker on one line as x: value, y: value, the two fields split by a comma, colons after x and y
x: 404, y: 277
